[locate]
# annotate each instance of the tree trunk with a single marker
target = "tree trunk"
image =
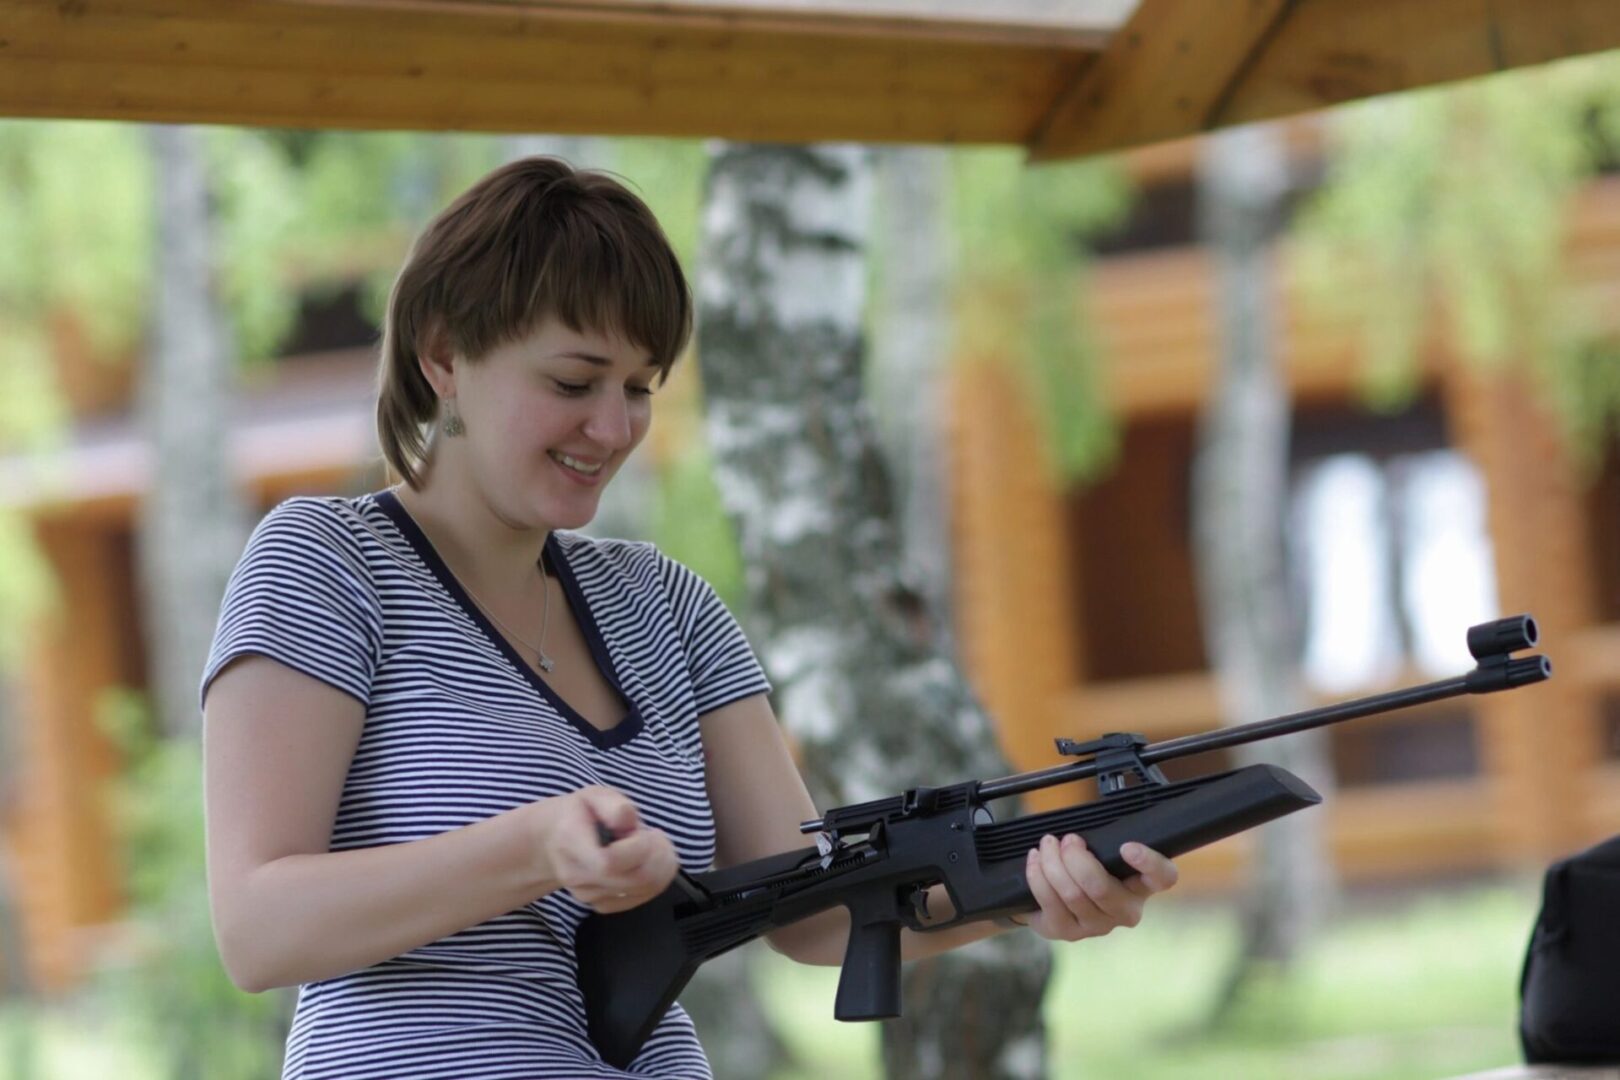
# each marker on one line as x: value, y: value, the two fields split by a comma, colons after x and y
x: 193, y: 523
x: 863, y: 681
x: 910, y: 344
x: 1239, y: 508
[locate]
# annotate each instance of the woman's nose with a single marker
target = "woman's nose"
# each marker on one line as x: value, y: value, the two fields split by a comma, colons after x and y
x: 609, y: 422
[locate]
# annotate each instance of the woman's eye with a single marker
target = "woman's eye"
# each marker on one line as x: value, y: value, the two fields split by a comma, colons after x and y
x: 571, y: 389
x: 639, y: 391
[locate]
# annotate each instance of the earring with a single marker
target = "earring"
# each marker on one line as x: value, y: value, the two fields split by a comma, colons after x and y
x: 452, y: 423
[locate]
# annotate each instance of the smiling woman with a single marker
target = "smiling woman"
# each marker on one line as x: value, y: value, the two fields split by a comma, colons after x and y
x: 441, y: 728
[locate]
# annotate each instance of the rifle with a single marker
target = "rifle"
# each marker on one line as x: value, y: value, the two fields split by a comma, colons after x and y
x: 878, y: 859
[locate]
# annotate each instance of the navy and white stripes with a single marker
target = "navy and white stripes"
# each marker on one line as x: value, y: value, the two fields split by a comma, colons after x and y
x: 458, y: 729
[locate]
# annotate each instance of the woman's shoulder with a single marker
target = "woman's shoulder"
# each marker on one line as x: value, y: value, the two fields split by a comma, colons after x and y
x: 319, y: 525
x: 632, y: 565
x: 634, y: 561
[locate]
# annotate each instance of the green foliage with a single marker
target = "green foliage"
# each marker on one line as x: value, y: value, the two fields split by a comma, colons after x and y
x: 1461, y: 196
x: 1424, y: 988
x: 28, y: 589
x: 77, y: 242
x: 669, y: 175
x: 689, y: 523
x: 258, y: 203
x: 75, y: 201
x: 169, y: 985
x: 1019, y: 283
x: 309, y: 212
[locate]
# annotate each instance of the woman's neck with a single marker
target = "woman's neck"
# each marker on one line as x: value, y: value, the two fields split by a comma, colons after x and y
x: 494, y: 557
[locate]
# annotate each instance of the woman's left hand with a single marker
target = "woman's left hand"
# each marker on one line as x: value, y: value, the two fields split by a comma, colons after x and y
x: 1079, y: 899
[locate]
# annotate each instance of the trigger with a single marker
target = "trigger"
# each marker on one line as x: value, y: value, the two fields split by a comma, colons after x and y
x: 919, y: 905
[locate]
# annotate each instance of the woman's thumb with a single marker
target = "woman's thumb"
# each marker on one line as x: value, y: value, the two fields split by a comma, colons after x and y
x: 612, y: 810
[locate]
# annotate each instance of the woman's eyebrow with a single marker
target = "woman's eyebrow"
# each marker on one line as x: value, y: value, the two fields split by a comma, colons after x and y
x: 592, y: 358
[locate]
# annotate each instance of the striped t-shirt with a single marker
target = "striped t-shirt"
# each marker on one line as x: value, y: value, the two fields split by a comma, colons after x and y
x: 458, y: 728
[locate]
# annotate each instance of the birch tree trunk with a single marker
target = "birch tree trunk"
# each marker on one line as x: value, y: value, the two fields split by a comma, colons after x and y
x: 192, y: 523
x: 863, y: 683
x: 910, y: 346
x: 1240, y: 490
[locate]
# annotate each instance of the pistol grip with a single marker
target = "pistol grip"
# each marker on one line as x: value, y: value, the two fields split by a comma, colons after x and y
x: 869, y: 988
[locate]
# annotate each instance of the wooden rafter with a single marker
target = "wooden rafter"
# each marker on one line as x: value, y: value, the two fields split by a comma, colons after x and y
x: 1167, y: 72
x: 1179, y: 67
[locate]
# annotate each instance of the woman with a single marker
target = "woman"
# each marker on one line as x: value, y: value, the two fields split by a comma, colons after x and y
x: 422, y: 703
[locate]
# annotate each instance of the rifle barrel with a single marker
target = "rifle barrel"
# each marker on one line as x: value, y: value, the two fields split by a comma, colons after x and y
x: 1221, y: 738
x: 1492, y: 645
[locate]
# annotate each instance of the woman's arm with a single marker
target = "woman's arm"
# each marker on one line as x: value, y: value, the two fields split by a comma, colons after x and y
x: 287, y: 910
x: 759, y: 799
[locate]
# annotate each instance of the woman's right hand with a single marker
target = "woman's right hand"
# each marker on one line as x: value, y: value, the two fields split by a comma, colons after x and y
x: 636, y: 866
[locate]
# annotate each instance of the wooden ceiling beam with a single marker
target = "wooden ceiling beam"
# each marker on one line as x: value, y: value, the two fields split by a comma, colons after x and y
x: 402, y: 64
x: 223, y: 95
x: 1333, y: 51
x: 1089, y: 31
x: 1181, y: 67
x: 1165, y: 74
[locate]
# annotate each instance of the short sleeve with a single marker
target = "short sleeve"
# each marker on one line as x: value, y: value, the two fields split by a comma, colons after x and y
x: 301, y: 595
x: 722, y: 665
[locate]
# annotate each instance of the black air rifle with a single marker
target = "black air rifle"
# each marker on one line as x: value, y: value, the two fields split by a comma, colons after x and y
x: 878, y: 859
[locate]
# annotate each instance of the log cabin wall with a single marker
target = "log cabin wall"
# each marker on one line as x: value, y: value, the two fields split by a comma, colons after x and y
x: 60, y: 827
x: 1498, y: 782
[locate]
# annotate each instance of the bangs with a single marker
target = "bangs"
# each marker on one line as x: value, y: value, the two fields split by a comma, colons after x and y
x: 596, y: 276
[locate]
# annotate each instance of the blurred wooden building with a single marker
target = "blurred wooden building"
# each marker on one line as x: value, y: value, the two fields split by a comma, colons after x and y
x: 1078, y: 606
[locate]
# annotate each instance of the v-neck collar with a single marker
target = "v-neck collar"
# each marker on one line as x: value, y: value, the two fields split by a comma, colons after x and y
x: 555, y: 557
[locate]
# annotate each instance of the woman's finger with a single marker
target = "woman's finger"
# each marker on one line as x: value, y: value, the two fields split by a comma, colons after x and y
x: 644, y: 862
x: 612, y: 808
x: 1116, y: 903
x: 1053, y: 917
x: 1089, y: 920
x: 1155, y: 871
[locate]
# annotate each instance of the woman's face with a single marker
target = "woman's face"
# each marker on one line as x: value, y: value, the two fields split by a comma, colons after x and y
x: 551, y: 417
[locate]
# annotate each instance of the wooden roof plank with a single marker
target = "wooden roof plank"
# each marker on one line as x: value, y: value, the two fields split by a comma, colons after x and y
x: 508, y: 71
x: 1334, y: 51
x: 1176, y: 70
x: 219, y: 95
x: 1165, y: 74
x: 984, y: 20
x: 324, y: 48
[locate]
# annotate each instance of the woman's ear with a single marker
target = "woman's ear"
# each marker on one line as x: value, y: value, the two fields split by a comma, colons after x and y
x: 436, y: 355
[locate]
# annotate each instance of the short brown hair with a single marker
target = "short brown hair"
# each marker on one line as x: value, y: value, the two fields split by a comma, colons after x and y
x: 535, y: 238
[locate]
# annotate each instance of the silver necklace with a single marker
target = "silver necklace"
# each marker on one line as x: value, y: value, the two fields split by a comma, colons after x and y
x: 546, y: 663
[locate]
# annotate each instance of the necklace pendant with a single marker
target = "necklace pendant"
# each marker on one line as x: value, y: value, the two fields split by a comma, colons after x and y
x: 546, y: 663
